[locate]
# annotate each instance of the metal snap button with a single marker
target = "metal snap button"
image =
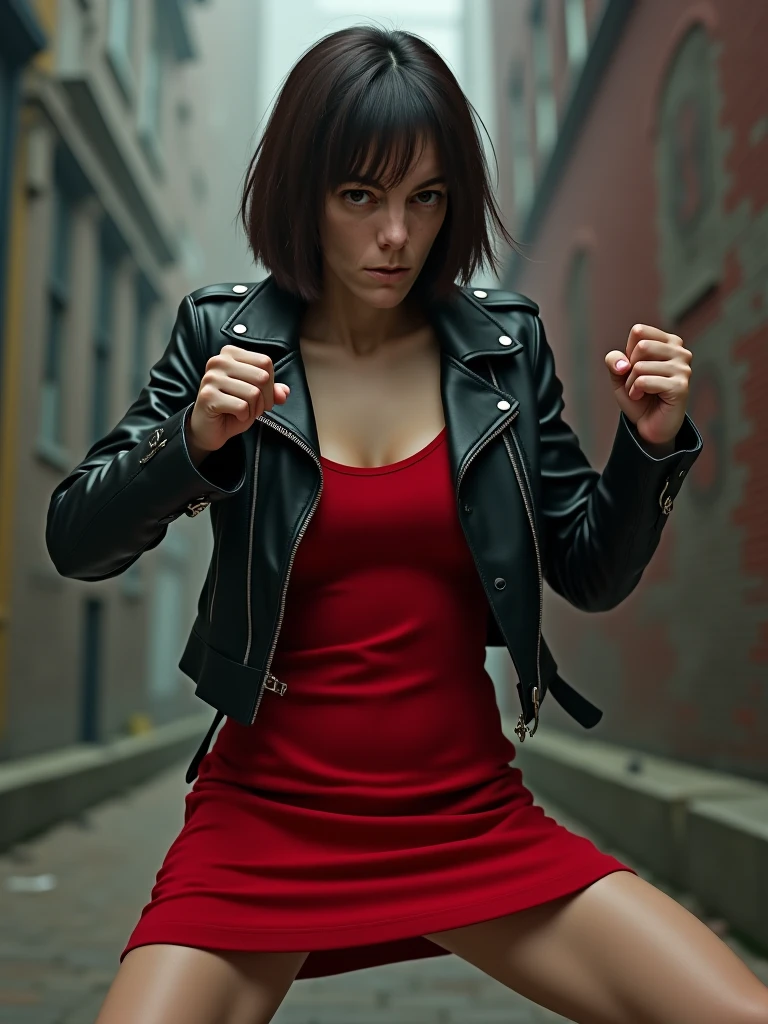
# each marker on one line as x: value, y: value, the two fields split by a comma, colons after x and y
x: 480, y: 294
x: 239, y: 328
x: 240, y: 288
x: 503, y: 405
x: 499, y: 583
x: 468, y: 509
x: 505, y: 340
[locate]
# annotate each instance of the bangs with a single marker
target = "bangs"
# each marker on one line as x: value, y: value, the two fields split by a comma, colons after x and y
x: 379, y: 131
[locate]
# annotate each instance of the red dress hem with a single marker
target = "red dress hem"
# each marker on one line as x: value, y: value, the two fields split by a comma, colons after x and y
x: 373, y: 948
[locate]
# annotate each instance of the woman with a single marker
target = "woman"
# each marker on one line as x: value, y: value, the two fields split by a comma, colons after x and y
x: 391, y: 444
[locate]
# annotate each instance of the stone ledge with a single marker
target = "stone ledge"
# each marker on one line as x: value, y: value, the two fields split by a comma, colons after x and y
x: 702, y: 831
x: 37, y: 792
x: 727, y: 856
x: 643, y: 811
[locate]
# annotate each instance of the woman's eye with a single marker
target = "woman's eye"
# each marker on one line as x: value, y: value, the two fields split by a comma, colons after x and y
x: 353, y: 194
x: 435, y: 196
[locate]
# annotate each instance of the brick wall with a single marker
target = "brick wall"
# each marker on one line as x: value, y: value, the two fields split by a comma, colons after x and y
x: 676, y: 235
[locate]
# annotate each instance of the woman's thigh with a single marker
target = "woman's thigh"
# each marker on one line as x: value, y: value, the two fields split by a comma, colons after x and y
x: 619, y: 951
x: 161, y: 982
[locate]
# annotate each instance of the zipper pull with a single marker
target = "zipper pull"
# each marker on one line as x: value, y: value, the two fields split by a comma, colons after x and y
x: 273, y: 683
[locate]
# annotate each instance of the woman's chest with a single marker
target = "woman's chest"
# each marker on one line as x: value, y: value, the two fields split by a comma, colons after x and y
x: 376, y: 411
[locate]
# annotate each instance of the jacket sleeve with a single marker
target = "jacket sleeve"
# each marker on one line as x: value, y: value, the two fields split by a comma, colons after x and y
x: 599, y: 531
x: 118, y: 501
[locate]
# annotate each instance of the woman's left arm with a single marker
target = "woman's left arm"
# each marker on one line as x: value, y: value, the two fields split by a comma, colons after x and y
x: 600, y: 530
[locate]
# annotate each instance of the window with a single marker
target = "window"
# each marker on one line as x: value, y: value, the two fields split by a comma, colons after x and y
x: 577, y: 302
x: 546, y: 113
x: 120, y: 35
x: 576, y: 35
x: 522, y: 156
x: 102, y: 335
x: 691, y: 176
x: 52, y: 390
x: 152, y: 96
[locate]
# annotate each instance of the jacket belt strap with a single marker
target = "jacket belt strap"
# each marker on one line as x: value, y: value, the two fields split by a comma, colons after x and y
x: 578, y: 707
x: 202, y: 750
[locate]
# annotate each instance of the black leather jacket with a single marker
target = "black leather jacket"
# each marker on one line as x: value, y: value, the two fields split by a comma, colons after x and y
x: 531, y: 506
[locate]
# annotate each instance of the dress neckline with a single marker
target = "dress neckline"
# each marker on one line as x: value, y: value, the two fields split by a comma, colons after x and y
x: 392, y: 467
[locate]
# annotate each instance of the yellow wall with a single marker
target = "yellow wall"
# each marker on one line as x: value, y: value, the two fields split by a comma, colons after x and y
x: 46, y: 11
x: 9, y: 426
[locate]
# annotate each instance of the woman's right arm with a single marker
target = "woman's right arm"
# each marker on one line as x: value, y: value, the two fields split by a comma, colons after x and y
x: 118, y: 501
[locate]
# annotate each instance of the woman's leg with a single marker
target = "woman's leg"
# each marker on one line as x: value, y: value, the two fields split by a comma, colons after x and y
x: 619, y: 951
x: 160, y: 982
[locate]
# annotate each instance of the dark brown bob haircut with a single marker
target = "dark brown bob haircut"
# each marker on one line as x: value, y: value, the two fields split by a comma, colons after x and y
x: 357, y: 105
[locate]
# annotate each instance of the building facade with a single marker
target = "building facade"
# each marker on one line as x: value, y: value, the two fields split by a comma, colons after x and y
x: 124, y: 201
x: 634, y: 143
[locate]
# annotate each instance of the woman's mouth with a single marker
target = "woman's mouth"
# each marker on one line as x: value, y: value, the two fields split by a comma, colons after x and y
x: 387, y: 274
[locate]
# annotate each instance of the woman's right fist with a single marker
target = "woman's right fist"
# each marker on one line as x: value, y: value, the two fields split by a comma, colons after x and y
x: 236, y: 388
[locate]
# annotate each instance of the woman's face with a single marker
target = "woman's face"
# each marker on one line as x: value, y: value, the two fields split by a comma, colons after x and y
x: 366, y: 228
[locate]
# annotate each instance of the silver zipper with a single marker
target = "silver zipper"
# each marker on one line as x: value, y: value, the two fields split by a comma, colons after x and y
x: 529, y: 511
x: 496, y: 432
x: 267, y: 674
x: 250, y: 545
x: 215, y: 579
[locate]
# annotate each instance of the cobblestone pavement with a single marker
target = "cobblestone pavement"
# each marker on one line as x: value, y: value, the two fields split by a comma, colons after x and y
x: 59, y: 947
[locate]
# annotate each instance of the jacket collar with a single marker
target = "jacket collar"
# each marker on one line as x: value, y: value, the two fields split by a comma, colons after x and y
x: 271, y: 316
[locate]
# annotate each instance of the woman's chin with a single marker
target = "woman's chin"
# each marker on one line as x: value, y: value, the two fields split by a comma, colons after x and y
x: 384, y: 296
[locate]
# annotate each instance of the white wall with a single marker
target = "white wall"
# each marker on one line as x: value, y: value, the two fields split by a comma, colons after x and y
x: 291, y: 26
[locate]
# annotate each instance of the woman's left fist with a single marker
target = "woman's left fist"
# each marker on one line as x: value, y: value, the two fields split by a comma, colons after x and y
x: 650, y: 382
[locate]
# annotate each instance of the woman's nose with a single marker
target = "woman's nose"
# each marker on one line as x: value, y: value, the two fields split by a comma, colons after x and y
x: 395, y: 231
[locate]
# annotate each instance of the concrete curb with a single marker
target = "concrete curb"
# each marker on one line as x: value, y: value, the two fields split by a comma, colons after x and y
x: 727, y: 853
x: 704, y: 832
x: 37, y: 792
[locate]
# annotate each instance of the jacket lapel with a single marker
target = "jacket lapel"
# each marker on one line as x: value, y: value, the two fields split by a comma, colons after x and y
x: 268, y: 320
x: 469, y: 336
x: 296, y: 414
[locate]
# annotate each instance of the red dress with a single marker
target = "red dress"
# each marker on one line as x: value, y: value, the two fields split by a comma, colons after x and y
x: 374, y: 801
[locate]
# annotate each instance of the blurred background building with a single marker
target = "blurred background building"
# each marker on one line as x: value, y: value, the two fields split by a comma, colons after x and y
x: 633, y: 146
x: 631, y: 140
x: 126, y: 124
